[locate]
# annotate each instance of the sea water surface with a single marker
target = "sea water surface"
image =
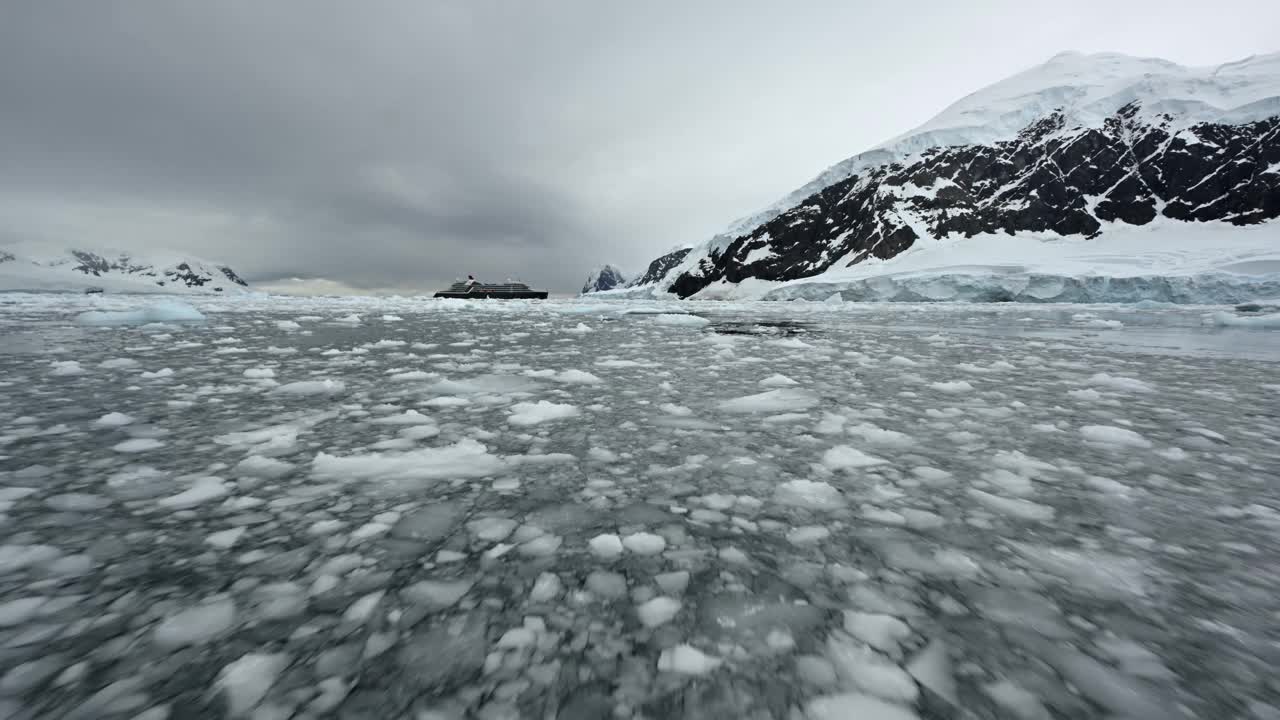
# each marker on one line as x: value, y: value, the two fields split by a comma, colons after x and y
x: 405, y: 508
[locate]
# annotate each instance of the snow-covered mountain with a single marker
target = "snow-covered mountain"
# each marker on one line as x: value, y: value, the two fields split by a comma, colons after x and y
x: 37, y: 269
x: 1082, y: 148
x: 605, y: 277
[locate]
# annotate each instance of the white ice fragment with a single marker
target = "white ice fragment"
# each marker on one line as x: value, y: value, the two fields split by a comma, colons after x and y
x: 605, y: 546
x: 778, y: 380
x: 882, y: 632
x: 464, y: 459
x: 541, y: 546
x: 247, y: 680
x: 76, y: 502
x: 1021, y: 703
x: 438, y: 594
x: 137, y: 445
x: 680, y: 320
x: 807, y: 534
x: 811, y: 494
x: 1113, y: 436
x: 643, y: 543
x: 491, y: 529
x: 855, y: 706
x: 1016, y: 507
x: 224, y: 539
x: 160, y: 312
x: 931, y: 667
x: 1120, y: 383
x: 201, y: 491
x: 658, y: 611
x: 952, y: 388
x: 113, y: 419
x: 865, y: 669
x: 257, y: 466
x: 259, y: 373
x: 16, y: 612
x: 843, y: 457
x: 516, y: 638
x: 576, y: 377
x: 771, y: 401
x: 546, y: 587
x: 673, y: 583
x: 362, y: 609
x: 311, y: 387
x: 687, y: 660
x: 525, y: 414
x: 196, y: 625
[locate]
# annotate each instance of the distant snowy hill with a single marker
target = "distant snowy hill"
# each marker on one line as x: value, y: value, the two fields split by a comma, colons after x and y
x: 1083, y: 147
x: 605, y: 277
x: 35, y: 269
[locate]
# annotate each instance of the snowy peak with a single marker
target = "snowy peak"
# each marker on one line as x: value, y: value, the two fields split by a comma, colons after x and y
x: 1086, y: 89
x: 78, y: 270
x: 1072, y: 147
x: 605, y: 277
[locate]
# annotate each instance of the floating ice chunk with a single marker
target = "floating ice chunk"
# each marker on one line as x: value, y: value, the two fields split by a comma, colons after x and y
x: 113, y: 419
x: 517, y: 638
x: 679, y: 320
x: 772, y: 401
x: 1021, y: 703
x: 311, y: 387
x: 1257, y: 321
x: 541, y: 546
x: 196, y: 625
x: 863, y: 668
x: 1103, y: 573
x: 882, y: 632
x: 201, y: 491
x: 263, y: 467
x: 352, y: 319
x: 899, y: 361
x: 160, y: 312
x: 778, y: 380
x: 525, y: 414
x: 658, y: 611
x: 880, y: 436
x: 606, y: 547
x: 225, y: 538
x: 76, y: 502
x: 1120, y: 383
x: 687, y: 660
x: 408, y: 417
x: 17, y: 557
x: 1118, y: 693
x: 137, y: 445
x: 952, y: 388
x: 931, y: 667
x: 643, y: 543
x: 1017, y: 507
x: 576, y: 377
x: 1114, y: 436
x: 17, y: 612
x: 580, y: 329
x: 118, y: 363
x: 362, y: 609
x: 247, y: 681
x: 464, y: 459
x: 808, y: 535
x: 674, y: 409
x: 437, y: 594
x: 287, y: 325
x: 259, y: 373
x: 546, y: 587
x: 673, y: 583
x: 855, y: 706
x: 843, y: 457
x: 811, y: 494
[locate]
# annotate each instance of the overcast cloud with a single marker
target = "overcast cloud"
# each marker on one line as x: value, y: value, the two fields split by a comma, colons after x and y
x: 395, y: 145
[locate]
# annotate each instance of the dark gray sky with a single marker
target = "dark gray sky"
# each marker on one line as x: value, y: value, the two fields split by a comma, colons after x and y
x: 394, y: 145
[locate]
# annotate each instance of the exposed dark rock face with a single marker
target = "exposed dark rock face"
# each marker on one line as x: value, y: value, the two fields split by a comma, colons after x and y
x: 183, y: 273
x: 660, y: 267
x: 603, y: 278
x: 1050, y: 177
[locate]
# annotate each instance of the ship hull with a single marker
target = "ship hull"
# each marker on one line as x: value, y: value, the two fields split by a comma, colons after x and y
x: 494, y: 295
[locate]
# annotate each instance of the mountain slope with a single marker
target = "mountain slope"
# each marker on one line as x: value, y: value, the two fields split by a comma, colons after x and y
x: 36, y: 269
x: 1079, y: 146
x: 603, y: 278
